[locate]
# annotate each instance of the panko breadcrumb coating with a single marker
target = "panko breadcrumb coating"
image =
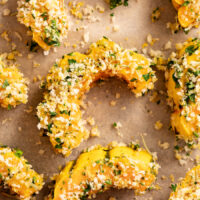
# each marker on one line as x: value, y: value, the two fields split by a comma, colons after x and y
x: 101, y: 168
x: 13, y: 85
x: 17, y: 176
x: 188, y: 13
x: 189, y: 187
x: 183, y: 84
x: 72, y: 76
x: 46, y: 19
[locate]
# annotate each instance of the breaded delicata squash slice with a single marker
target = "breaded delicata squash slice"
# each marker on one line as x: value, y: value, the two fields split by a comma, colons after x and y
x: 13, y: 85
x: 73, y: 75
x: 17, y: 176
x: 189, y: 187
x: 101, y: 168
x: 46, y: 19
x: 188, y: 13
x: 183, y: 85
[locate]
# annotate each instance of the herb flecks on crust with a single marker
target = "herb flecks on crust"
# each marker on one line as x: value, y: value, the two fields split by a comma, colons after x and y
x: 189, y: 187
x: 17, y: 175
x: 46, y: 20
x: 101, y: 168
x: 183, y: 84
x: 188, y: 13
x: 13, y: 85
x: 72, y: 76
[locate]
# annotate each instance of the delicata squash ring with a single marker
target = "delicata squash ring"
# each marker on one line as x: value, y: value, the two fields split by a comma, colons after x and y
x: 13, y: 85
x: 46, y: 19
x: 17, y: 176
x: 183, y: 84
x: 188, y: 12
x: 101, y: 168
x: 189, y: 187
x: 72, y: 76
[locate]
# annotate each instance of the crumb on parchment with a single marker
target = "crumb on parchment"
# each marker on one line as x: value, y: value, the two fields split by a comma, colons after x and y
x: 158, y: 125
x: 95, y: 132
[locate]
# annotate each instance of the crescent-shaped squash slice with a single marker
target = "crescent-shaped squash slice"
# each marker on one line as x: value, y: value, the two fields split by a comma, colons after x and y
x: 101, y: 168
x: 68, y: 80
x: 186, y: 16
x: 17, y: 175
x: 177, y: 3
x: 189, y: 187
x: 13, y: 85
x: 188, y: 13
x: 183, y: 79
x: 46, y: 20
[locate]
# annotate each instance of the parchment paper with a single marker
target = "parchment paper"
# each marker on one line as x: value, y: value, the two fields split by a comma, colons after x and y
x: 135, y: 23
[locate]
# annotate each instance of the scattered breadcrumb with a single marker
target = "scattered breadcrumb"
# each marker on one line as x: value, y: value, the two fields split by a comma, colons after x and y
x: 113, y: 19
x: 38, y: 143
x: 30, y: 56
x: 155, y: 53
x: 100, y: 8
x: 168, y: 45
x: 171, y: 178
x: 46, y: 53
x: 116, y: 28
x: 6, y: 12
x: 76, y: 9
x: 86, y: 37
x: 35, y: 79
x: 74, y: 46
x: 91, y: 121
x: 151, y: 40
x: 5, y: 36
x: 158, y: 187
x: 163, y: 177
x: 174, y: 27
x: 164, y: 145
x: 113, y: 103
x: 18, y: 36
x: 35, y: 64
x: 88, y: 10
x: 95, y: 132
x: 41, y: 151
x: 119, y: 134
x: 13, y: 46
x: 5, y: 121
x: 158, y: 125
x: 123, y: 108
x: 155, y: 14
x: 117, y: 125
x: 29, y: 110
x: 117, y: 95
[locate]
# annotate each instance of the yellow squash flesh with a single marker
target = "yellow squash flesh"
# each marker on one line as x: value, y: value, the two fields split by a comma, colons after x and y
x: 188, y: 12
x: 189, y: 187
x: 71, y: 77
x: 17, y: 175
x: 182, y: 84
x: 13, y: 85
x: 102, y: 168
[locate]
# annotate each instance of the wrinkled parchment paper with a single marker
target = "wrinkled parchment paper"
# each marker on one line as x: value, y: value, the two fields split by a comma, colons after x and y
x: 18, y: 128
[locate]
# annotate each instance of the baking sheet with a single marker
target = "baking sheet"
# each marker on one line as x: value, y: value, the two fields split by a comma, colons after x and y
x: 140, y: 114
